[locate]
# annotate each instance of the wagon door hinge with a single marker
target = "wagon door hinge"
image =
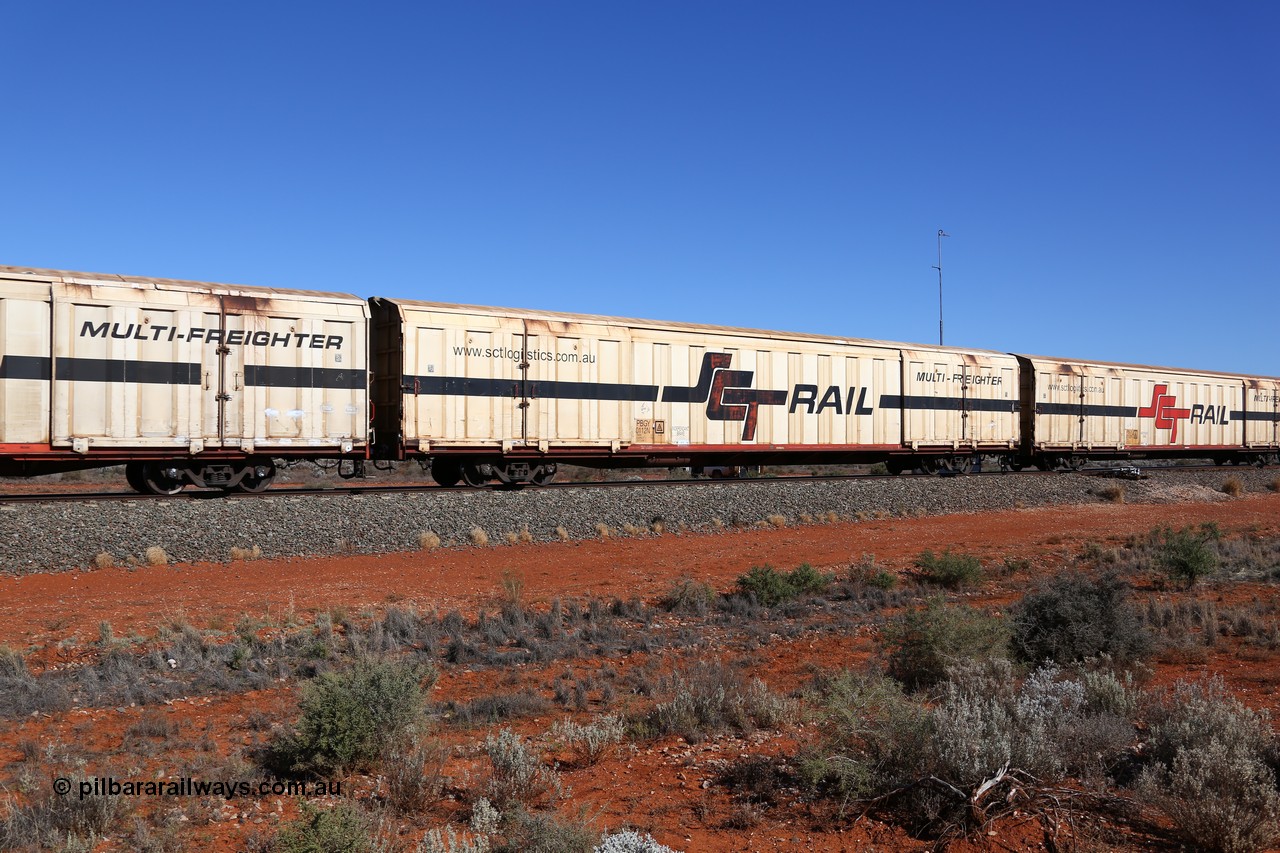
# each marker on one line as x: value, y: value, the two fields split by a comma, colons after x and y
x: 223, y: 397
x: 223, y: 350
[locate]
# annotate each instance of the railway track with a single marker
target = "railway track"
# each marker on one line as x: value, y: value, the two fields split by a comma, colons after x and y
x: 126, y: 494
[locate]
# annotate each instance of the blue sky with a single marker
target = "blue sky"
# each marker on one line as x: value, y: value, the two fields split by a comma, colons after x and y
x: 1108, y: 172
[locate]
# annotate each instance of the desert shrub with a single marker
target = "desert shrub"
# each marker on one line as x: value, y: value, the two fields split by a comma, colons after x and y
x: 1187, y: 554
x: 497, y: 707
x: 770, y: 587
x: 350, y: 718
x: 517, y: 774
x: 690, y: 597
x: 630, y: 841
x: 479, y: 537
x: 806, y: 580
x: 51, y: 821
x: 448, y: 840
x: 1114, y: 492
x: 591, y: 740
x: 867, y: 572
x: 527, y: 832
x: 935, y: 760
x: 767, y: 585
x: 921, y: 644
x: 873, y: 738
x: 342, y: 828
x: 1212, y: 768
x: 1074, y: 618
x: 949, y: 569
x: 711, y: 697
x: 414, y: 770
x: 1233, y: 486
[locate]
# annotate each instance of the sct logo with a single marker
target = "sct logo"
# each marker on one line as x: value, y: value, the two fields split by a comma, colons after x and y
x: 727, y: 393
x: 730, y: 397
x: 1163, y: 409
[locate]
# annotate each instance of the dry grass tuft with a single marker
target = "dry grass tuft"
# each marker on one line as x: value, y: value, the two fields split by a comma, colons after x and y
x: 511, y: 537
x: 777, y: 520
x: 524, y: 535
x: 428, y: 541
x: 631, y: 530
x: 603, y: 530
x: 1113, y: 492
x: 103, y: 560
x: 832, y: 517
x: 512, y: 587
x: 717, y: 523
x: 1233, y: 486
x: 479, y: 537
x: 1274, y: 485
x: 237, y: 553
x: 155, y: 556
x: 805, y: 518
x: 562, y: 533
x: 659, y: 528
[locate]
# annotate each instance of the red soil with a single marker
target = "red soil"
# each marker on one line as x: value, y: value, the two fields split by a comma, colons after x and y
x: 660, y: 787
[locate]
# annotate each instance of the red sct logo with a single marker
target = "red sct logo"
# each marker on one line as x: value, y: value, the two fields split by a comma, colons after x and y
x: 1162, y: 409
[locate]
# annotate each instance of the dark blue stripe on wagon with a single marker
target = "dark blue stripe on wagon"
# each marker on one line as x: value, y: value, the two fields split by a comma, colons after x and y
x: 946, y: 404
x: 279, y: 376
x: 1268, y: 417
x: 126, y: 370
x: 544, y: 389
x: 1091, y: 411
x: 24, y: 367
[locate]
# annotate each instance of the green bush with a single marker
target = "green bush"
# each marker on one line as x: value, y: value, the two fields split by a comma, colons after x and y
x: 806, y: 580
x: 770, y: 587
x: 767, y: 585
x: 341, y: 829
x: 350, y: 718
x: 922, y: 644
x: 1074, y: 618
x: 1188, y: 554
x: 949, y: 569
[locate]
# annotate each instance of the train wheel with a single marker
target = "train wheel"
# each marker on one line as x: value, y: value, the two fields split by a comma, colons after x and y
x: 475, y: 475
x: 133, y: 475
x: 258, y: 478
x: 446, y: 472
x: 1075, y: 463
x: 1048, y: 463
x: 158, y: 482
x: 545, y: 474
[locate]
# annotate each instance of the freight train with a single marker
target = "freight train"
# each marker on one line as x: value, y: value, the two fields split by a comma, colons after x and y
x: 188, y: 383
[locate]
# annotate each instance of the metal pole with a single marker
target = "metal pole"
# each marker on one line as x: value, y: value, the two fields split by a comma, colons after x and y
x: 941, y: 234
